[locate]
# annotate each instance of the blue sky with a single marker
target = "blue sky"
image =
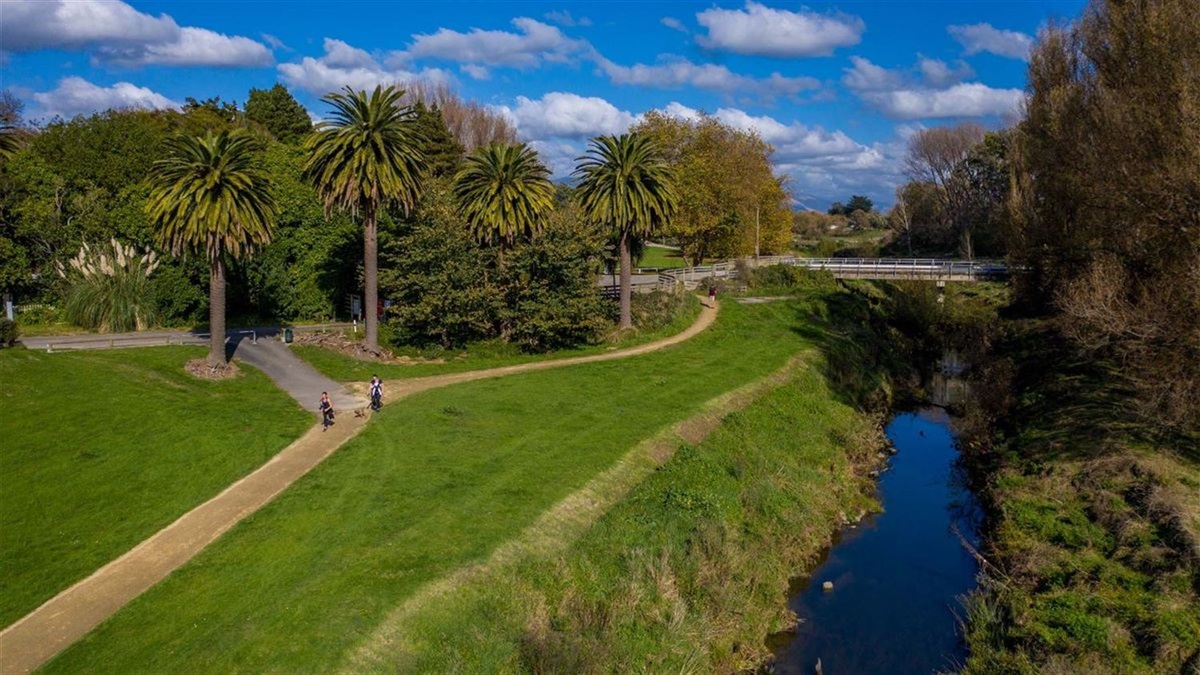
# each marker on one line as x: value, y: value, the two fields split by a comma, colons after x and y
x: 835, y: 87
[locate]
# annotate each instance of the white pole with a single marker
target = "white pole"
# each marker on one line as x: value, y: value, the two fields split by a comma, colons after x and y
x: 756, y: 233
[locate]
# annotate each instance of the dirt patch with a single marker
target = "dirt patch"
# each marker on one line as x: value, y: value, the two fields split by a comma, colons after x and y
x: 341, y: 344
x: 204, y: 370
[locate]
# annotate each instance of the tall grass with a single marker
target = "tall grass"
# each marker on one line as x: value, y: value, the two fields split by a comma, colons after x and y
x: 110, y: 289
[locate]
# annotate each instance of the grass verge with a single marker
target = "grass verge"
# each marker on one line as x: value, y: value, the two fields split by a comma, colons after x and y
x: 434, y: 483
x: 1095, y: 520
x: 485, y: 355
x: 102, y: 449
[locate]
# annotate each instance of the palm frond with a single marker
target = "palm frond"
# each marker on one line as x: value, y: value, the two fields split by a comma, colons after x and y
x: 504, y: 191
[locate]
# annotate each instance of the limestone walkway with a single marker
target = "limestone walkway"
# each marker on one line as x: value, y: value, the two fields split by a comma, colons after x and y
x: 68, y: 616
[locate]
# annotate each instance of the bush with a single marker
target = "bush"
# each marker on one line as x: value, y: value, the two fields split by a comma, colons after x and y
x: 38, y: 315
x: 110, y: 289
x: 787, y: 276
x: 9, y: 332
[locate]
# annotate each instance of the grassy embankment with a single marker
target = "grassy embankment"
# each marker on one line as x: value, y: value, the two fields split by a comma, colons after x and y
x: 102, y: 449
x: 438, y: 483
x: 1095, y: 528
x: 659, y: 322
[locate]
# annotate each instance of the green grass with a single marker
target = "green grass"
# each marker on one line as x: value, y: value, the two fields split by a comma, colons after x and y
x: 715, y: 533
x: 483, y: 355
x: 654, y: 256
x: 102, y: 449
x: 432, y: 484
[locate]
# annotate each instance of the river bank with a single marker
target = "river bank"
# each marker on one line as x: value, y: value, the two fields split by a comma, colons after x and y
x: 1093, y: 534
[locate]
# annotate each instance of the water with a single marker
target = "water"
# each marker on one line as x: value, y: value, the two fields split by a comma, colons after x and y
x: 898, y: 575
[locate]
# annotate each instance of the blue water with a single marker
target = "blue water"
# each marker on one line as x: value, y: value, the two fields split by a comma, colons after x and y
x: 898, y: 575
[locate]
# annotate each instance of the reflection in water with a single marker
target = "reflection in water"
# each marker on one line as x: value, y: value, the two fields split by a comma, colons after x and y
x: 898, y: 575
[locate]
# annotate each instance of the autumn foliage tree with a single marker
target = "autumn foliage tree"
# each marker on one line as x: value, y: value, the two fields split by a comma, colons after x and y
x: 729, y: 196
x: 1106, y: 210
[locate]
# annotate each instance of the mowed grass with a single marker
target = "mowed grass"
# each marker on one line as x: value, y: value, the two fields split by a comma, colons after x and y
x: 655, y: 256
x: 98, y: 450
x: 435, y: 482
x: 484, y: 355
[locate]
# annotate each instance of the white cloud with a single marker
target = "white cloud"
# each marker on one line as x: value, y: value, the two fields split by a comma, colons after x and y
x: 565, y: 115
x: 939, y: 74
x: 673, y: 23
x: 564, y: 18
x: 535, y: 43
x: 194, y: 47
x: 763, y: 31
x: 866, y: 76
x: 982, y: 37
x: 347, y: 66
x: 476, y: 72
x: 673, y: 73
x: 930, y: 89
x: 120, y: 34
x: 971, y: 99
x: 821, y: 165
x: 76, y: 96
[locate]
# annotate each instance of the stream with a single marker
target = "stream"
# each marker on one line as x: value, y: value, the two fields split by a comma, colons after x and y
x: 898, y: 575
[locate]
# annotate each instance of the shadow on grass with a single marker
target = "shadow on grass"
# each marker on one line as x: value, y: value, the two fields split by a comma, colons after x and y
x: 1073, y: 406
x: 863, y: 357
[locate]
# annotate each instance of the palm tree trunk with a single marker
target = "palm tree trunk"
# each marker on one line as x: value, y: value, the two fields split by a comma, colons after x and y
x: 626, y: 284
x: 371, y: 265
x: 216, y: 312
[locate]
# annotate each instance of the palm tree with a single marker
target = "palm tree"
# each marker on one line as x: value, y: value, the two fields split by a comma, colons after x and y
x: 626, y: 185
x: 10, y: 142
x: 367, y: 156
x: 503, y: 191
x: 209, y: 195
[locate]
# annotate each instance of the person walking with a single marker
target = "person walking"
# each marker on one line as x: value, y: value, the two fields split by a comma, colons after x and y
x: 326, y: 408
x: 712, y: 295
x: 376, y: 393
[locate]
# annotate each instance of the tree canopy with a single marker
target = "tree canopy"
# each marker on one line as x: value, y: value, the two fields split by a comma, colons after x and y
x: 279, y: 113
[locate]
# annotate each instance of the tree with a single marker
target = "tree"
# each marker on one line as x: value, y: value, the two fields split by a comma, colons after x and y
x: 10, y: 117
x: 443, y: 153
x: 366, y: 157
x: 729, y: 196
x: 279, y: 112
x: 933, y: 156
x: 900, y: 219
x: 1106, y: 167
x: 859, y: 203
x: 504, y: 192
x: 626, y: 185
x: 210, y: 196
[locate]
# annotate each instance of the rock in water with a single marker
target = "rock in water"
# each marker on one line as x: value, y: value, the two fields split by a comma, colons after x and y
x: 827, y: 586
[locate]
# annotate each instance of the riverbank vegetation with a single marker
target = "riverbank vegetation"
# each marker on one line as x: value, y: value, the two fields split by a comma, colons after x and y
x: 1085, y: 429
x: 78, y: 492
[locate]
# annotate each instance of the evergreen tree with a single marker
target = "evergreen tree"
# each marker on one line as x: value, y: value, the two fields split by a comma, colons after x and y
x: 443, y: 153
x: 279, y: 112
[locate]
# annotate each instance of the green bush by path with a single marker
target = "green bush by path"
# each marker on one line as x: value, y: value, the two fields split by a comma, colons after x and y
x: 102, y: 449
x: 433, y: 483
x: 492, y: 354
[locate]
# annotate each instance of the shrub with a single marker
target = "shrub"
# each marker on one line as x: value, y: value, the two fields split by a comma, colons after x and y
x: 9, y: 332
x: 110, y: 290
x: 787, y: 276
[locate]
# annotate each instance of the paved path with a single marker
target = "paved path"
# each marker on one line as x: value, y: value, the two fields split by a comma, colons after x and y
x: 294, y: 376
x: 61, y: 621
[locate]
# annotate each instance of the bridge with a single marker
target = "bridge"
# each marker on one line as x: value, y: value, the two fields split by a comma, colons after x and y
x: 936, y: 270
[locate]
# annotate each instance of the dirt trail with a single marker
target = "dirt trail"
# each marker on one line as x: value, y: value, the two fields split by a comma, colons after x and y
x: 61, y: 621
